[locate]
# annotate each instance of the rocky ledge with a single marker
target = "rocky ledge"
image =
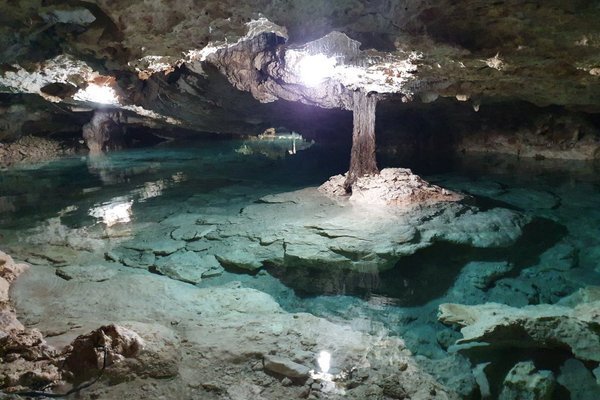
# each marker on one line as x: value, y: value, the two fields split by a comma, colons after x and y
x: 307, y: 228
x: 553, y: 339
x: 210, y: 343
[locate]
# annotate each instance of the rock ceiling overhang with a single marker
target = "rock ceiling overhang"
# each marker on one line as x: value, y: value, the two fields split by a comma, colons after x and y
x: 130, y: 53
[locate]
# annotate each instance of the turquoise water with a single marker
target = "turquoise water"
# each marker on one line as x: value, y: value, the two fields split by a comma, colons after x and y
x: 558, y: 253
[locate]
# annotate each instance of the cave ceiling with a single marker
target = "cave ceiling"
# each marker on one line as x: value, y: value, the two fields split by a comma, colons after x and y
x: 202, y: 65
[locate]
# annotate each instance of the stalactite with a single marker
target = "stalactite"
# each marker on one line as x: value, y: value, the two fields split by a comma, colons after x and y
x: 362, y: 158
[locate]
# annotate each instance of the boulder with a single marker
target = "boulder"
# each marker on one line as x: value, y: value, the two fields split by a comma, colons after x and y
x: 524, y: 382
x: 97, y: 350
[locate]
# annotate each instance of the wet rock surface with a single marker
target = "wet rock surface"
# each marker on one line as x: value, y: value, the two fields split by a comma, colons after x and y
x: 540, y: 326
x: 307, y: 228
x: 31, y: 149
x: 208, y: 341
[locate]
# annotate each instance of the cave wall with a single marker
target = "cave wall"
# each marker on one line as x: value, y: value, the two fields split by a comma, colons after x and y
x: 531, y: 70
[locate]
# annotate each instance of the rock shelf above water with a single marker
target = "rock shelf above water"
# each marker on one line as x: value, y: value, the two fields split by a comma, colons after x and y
x: 309, y: 228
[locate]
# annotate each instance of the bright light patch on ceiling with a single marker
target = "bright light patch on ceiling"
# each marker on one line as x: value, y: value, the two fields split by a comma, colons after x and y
x: 97, y: 94
x: 113, y: 213
x: 313, y: 70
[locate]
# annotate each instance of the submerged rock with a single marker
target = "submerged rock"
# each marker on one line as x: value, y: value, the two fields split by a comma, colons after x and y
x: 97, y: 273
x: 524, y: 382
x: 209, y: 339
x: 309, y: 229
x: 285, y: 367
x: 542, y: 326
x: 188, y: 266
x: 578, y: 380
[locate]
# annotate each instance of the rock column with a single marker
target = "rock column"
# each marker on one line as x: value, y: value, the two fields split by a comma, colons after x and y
x: 362, y: 158
x: 104, y: 132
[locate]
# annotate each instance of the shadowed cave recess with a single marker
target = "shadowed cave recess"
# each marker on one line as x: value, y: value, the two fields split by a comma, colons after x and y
x: 386, y: 199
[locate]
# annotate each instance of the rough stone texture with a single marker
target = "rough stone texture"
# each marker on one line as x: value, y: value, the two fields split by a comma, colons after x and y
x: 578, y: 380
x: 188, y: 266
x: 103, y: 132
x: 100, y: 349
x: 524, y: 382
x: 541, y: 326
x: 392, y: 186
x: 472, y: 51
x: 285, y: 367
x: 209, y: 341
x: 96, y: 273
x: 307, y: 228
x: 9, y: 271
x: 29, y: 149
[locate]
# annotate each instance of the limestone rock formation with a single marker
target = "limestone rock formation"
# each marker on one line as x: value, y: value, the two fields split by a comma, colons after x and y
x: 524, y: 382
x: 101, y: 348
x: 539, y: 327
x: 9, y: 271
x: 285, y: 367
x: 163, y: 60
x: 103, y: 132
x: 233, y: 328
x: 391, y: 186
x: 29, y: 149
x: 307, y: 228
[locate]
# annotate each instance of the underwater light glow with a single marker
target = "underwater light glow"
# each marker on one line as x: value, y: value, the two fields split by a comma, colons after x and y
x: 314, y: 69
x: 97, y: 94
x: 324, y: 361
x: 113, y: 213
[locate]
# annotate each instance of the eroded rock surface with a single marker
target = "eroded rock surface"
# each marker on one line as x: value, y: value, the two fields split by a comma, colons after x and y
x: 541, y: 326
x: 392, y: 187
x: 308, y: 228
x: 524, y: 382
x: 207, y: 341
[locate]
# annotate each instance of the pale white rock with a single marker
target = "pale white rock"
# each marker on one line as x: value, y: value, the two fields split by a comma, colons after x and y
x: 285, y: 367
x: 545, y: 327
x: 77, y: 16
x: 392, y: 186
x: 525, y: 382
x: 4, y: 286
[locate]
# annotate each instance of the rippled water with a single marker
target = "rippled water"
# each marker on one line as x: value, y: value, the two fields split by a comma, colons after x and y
x: 119, y: 194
